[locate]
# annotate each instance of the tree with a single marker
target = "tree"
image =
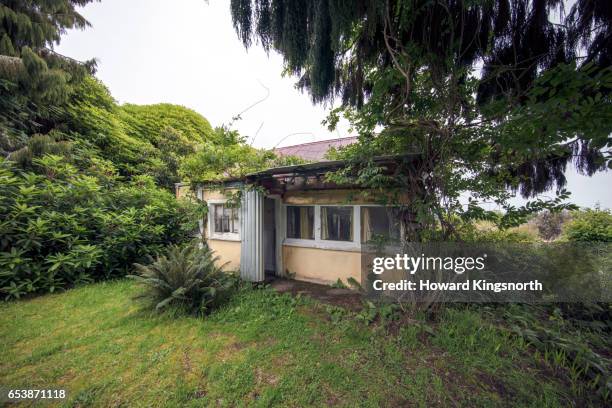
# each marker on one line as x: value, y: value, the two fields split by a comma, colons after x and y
x: 33, y: 78
x: 550, y: 224
x: 478, y: 96
x: 229, y: 157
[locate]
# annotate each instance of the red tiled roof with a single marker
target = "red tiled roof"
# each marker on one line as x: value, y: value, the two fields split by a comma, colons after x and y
x: 314, y: 151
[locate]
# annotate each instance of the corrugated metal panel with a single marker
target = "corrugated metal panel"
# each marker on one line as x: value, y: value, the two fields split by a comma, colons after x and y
x: 251, y: 251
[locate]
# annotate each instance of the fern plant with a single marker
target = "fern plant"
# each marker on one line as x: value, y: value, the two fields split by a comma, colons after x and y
x: 186, y: 277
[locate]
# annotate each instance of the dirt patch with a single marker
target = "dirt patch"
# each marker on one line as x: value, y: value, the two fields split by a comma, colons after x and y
x: 232, y: 349
x: 264, y: 378
x: 186, y: 361
x: 346, y: 298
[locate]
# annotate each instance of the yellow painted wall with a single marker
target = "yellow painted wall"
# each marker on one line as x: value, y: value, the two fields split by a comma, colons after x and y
x: 311, y: 264
x: 321, y: 265
x: 184, y: 191
x: 216, y: 194
x: 228, y: 252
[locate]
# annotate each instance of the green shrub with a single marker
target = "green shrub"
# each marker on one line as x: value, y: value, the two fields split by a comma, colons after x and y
x: 591, y: 225
x: 471, y: 233
x: 63, y: 227
x: 186, y: 278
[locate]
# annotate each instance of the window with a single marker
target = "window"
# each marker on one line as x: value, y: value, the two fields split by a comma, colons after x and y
x: 300, y: 222
x: 337, y: 223
x: 225, y: 219
x: 379, y: 223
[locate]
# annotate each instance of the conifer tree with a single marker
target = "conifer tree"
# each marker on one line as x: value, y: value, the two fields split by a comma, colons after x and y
x: 33, y: 78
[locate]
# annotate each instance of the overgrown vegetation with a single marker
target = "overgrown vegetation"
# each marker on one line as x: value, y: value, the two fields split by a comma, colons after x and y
x: 590, y: 225
x: 61, y: 227
x: 479, y: 99
x: 186, y: 278
x: 266, y: 349
x: 87, y: 183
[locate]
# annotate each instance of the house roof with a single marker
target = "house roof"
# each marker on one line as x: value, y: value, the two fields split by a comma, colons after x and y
x: 323, y: 167
x: 314, y: 151
x: 307, y: 176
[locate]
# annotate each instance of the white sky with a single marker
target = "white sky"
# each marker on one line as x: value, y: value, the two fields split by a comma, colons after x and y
x: 186, y: 52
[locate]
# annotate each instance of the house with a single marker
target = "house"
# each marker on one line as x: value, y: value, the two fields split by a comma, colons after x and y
x: 292, y: 222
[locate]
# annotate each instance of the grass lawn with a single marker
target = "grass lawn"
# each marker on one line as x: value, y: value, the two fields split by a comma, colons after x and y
x: 261, y: 349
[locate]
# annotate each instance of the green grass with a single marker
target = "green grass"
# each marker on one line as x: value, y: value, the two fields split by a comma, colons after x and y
x: 262, y: 349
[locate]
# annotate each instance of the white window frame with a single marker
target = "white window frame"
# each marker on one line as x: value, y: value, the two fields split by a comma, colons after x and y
x: 402, y: 231
x: 223, y: 236
x: 317, y: 242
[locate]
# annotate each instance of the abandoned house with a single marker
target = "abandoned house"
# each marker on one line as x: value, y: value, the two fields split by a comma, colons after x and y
x: 293, y: 223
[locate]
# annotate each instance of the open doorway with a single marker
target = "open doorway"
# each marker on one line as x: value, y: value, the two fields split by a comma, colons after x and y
x: 269, y: 237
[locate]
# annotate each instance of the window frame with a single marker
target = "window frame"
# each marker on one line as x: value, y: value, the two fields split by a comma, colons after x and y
x: 352, y: 246
x: 223, y: 236
x: 401, y: 227
x: 285, y: 211
x: 317, y: 242
x: 352, y: 213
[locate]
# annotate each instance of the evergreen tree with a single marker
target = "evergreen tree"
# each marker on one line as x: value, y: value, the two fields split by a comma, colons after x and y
x: 33, y: 78
x: 487, y: 94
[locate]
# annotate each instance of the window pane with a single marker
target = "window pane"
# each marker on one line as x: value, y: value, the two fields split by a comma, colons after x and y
x: 235, y: 223
x: 300, y: 222
x: 379, y: 223
x: 218, y: 217
x: 337, y: 223
x: 225, y: 219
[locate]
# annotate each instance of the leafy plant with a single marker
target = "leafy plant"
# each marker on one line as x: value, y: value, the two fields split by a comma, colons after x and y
x: 186, y: 277
x: 63, y: 227
x: 338, y: 284
x: 590, y: 225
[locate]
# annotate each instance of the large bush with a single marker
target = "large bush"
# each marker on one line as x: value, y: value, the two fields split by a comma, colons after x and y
x: 60, y: 226
x: 187, y: 278
x: 591, y: 225
x: 147, y: 139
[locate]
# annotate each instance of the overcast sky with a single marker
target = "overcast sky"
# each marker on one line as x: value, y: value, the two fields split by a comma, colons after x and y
x: 186, y: 52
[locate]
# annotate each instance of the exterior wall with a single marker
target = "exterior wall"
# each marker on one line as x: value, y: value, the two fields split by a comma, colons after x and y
x: 321, y: 265
x: 326, y: 261
x: 315, y: 260
x: 183, y: 191
x: 228, y: 253
x: 216, y: 194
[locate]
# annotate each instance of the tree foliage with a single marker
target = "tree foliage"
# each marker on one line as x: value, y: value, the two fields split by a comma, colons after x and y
x: 84, y: 180
x: 34, y: 79
x: 60, y: 227
x: 229, y: 158
x: 590, y: 225
x: 479, y: 97
x: 147, y: 139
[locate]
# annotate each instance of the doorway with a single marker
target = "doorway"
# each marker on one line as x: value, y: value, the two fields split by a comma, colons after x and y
x: 269, y: 237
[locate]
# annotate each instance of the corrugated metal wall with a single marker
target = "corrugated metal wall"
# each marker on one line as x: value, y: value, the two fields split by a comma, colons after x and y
x: 251, y: 251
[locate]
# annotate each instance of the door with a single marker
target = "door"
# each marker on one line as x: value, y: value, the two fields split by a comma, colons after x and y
x: 269, y: 237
